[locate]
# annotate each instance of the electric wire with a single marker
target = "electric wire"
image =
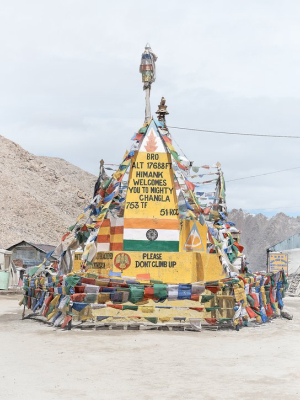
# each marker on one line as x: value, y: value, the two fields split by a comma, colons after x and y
x: 267, y: 173
x: 271, y: 208
x: 235, y: 133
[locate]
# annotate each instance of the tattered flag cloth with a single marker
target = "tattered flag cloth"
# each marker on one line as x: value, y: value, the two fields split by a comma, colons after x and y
x: 251, y: 297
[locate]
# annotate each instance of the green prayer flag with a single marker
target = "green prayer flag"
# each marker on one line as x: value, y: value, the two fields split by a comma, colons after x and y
x: 160, y: 291
x: 91, y: 298
x: 221, y: 320
x: 251, y: 301
x: 136, y: 294
x: 208, y: 309
x: 206, y: 297
x: 107, y: 183
x: 33, y: 271
x: 72, y: 280
x: 152, y: 281
x: 128, y: 307
x: 175, y: 155
x: 153, y: 320
x: 91, y: 275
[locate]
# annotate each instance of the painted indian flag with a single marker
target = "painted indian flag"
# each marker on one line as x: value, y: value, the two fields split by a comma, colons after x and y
x: 147, y: 234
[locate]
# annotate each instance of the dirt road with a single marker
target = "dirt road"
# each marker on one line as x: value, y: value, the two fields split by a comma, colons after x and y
x: 38, y: 362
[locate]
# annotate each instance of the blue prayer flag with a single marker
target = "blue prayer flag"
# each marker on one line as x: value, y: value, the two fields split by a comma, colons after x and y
x: 117, y: 274
x: 48, y: 255
x: 79, y: 306
x: 189, y: 207
x: 184, y: 291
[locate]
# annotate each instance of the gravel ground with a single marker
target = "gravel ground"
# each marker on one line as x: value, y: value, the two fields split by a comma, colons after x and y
x: 256, y: 363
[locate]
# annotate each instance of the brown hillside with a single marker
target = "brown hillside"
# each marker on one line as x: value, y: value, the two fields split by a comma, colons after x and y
x: 39, y: 196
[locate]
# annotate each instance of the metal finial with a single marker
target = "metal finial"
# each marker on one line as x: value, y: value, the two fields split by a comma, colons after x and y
x: 147, y: 69
x: 162, y: 110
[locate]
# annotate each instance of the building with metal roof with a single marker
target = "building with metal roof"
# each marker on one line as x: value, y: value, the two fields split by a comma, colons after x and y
x: 289, y: 247
x: 27, y: 254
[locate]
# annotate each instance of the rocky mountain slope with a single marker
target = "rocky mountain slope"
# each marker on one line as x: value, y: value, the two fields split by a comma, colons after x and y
x: 260, y: 232
x: 39, y: 196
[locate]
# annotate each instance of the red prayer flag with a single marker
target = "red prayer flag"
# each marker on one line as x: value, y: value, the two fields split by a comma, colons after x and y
x: 149, y: 293
x: 66, y: 321
x: 117, y: 306
x: 211, y: 321
x: 181, y: 166
x: 250, y: 312
x: 190, y: 185
x: 272, y: 300
x: 98, y: 224
x: 213, y: 289
x: 78, y: 297
x: 240, y: 248
x: 110, y: 188
x: 269, y: 310
x: 101, y: 192
x: 79, y: 289
x: 45, y: 311
x: 88, y: 281
x: 65, y: 236
x: 254, y: 297
x: 167, y: 139
x: 196, y: 308
x: 244, y: 280
x: 143, y: 276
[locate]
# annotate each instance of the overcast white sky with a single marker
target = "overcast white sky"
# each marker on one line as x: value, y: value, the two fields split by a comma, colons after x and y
x: 70, y: 86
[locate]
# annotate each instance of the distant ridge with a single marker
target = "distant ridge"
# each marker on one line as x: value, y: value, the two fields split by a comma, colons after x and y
x: 260, y: 232
x: 39, y: 196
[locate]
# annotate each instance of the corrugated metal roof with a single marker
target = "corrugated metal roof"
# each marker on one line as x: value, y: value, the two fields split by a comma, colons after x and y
x: 293, y: 242
x: 45, y: 248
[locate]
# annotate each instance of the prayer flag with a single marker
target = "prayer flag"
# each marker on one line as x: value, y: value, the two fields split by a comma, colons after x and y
x: 115, y: 274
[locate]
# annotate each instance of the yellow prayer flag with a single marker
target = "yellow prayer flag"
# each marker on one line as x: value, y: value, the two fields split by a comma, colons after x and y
x: 149, y: 309
x: 80, y: 217
x: 52, y: 314
x: 55, y: 301
x: 164, y: 319
x: 239, y: 294
x: 90, y: 226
